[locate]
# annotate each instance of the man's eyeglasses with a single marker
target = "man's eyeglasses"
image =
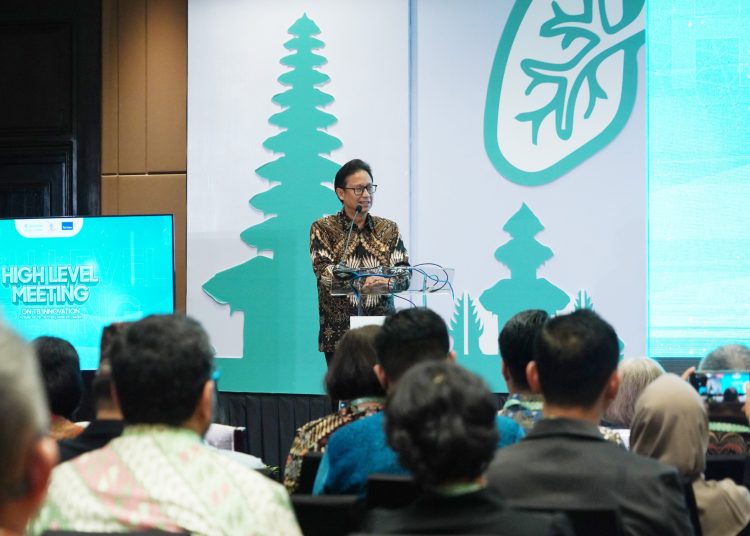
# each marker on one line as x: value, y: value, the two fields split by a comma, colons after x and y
x: 359, y: 190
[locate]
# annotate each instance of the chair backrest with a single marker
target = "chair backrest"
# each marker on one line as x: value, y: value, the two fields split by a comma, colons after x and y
x: 328, y: 515
x: 391, y: 491
x: 589, y: 522
x: 223, y: 436
x: 308, y: 472
x: 721, y: 466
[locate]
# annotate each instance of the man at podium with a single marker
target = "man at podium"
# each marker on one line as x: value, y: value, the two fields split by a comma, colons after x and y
x: 353, y: 239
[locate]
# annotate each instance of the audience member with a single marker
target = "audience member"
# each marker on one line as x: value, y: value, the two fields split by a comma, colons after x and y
x: 671, y: 425
x: 636, y: 373
x: 108, y: 423
x: 351, y: 379
x: 440, y: 419
x: 63, y: 383
x: 728, y: 357
x: 27, y: 454
x: 158, y: 474
x: 359, y: 449
x: 729, y: 432
x: 564, y: 462
x: 516, y: 342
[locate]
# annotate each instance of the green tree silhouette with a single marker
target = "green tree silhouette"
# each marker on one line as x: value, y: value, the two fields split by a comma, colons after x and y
x: 583, y: 301
x: 523, y: 255
x: 278, y: 295
x: 465, y: 308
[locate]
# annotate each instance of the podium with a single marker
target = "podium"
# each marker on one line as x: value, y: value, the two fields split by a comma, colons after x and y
x: 417, y: 282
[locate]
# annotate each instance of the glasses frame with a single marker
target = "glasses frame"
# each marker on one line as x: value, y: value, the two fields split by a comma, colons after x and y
x: 371, y: 189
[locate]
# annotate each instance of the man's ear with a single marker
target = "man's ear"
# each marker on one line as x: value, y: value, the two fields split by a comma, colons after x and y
x: 381, y: 376
x: 113, y: 394
x: 613, y: 385
x: 205, y: 409
x: 39, y: 461
x: 532, y: 378
x: 43, y: 457
x: 340, y: 194
x: 452, y: 356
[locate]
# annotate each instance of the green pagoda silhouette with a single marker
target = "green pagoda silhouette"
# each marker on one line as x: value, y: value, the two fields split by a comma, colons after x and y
x: 277, y: 294
x: 523, y: 255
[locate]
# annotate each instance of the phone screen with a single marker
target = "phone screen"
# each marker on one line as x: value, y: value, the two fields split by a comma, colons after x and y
x: 721, y: 386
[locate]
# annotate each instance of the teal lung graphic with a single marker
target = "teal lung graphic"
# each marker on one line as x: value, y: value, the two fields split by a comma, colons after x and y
x: 562, y: 85
x: 583, y: 301
x: 277, y: 294
x: 523, y: 255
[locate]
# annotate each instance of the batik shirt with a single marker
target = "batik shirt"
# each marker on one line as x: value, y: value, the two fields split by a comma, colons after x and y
x: 378, y: 243
x: 527, y: 410
x: 313, y: 436
x: 157, y: 477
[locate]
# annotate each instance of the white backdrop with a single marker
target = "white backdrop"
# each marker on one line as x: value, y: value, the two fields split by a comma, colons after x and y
x: 436, y: 180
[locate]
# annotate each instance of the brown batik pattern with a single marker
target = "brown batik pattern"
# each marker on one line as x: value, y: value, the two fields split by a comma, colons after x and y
x: 378, y: 243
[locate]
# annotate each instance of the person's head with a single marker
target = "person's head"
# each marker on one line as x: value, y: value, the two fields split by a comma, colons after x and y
x: 636, y: 373
x: 61, y: 372
x: 409, y: 337
x: 162, y: 372
x: 575, y: 361
x: 354, y: 186
x: 101, y: 386
x: 27, y: 455
x: 671, y: 425
x: 351, y: 373
x: 516, y: 343
x: 440, y: 419
x: 728, y: 357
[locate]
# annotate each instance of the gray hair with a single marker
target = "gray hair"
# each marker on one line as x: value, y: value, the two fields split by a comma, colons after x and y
x: 23, y: 407
x: 635, y: 375
x: 727, y: 357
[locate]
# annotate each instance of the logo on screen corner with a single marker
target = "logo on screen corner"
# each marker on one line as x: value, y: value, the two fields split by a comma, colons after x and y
x: 67, y: 226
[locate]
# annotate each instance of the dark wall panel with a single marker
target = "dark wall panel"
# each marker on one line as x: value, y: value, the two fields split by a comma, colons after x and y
x: 50, y: 108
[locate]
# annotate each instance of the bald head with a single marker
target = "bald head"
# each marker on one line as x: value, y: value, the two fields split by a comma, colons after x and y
x: 27, y: 456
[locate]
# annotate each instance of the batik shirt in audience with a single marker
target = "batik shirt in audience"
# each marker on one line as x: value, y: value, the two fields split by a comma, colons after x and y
x: 527, y: 410
x: 313, y: 436
x: 164, y: 478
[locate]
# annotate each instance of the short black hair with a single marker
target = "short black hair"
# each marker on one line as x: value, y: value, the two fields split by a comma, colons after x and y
x: 350, y: 375
x: 575, y: 355
x: 440, y: 419
x: 161, y: 368
x: 516, y: 342
x: 61, y: 372
x: 409, y: 337
x: 350, y: 168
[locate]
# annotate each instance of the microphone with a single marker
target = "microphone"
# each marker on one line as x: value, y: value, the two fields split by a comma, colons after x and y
x: 342, y: 271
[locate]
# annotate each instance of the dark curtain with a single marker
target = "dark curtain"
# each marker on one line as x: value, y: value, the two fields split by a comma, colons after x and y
x: 270, y: 421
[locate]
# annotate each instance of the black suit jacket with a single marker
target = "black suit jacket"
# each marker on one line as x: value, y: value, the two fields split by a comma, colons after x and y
x: 479, y: 512
x: 97, y: 434
x: 567, y: 464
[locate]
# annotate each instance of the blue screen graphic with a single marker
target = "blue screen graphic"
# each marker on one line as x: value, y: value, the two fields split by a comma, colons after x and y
x: 70, y: 277
x: 698, y: 70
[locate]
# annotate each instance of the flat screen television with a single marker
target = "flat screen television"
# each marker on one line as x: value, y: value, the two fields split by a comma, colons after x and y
x: 71, y: 276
